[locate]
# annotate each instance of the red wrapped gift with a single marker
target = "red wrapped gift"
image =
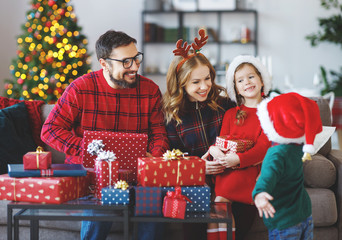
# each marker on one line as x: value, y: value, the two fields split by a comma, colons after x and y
x: 106, y: 175
x: 171, y: 171
x: 128, y: 147
x: 233, y: 145
x: 37, y: 160
x: 43, y: 190
x: 174, y: 204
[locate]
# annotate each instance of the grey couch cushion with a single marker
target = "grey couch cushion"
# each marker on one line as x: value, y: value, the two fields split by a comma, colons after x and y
x: 324, y: 212
x: 319, y: 172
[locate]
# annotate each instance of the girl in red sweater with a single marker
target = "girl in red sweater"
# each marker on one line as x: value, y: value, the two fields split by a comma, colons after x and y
x: 247, y: 83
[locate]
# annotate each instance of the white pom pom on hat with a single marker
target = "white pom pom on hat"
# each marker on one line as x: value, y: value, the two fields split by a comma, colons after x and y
x: 237, y: 61
x: 290, y: 118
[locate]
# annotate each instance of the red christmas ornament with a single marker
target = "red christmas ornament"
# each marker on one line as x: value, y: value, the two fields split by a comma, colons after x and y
x: 29, y: 29
x: 20, y: 81
x: 48, y: 24
x: 49, y: 91
x: 28, y: 59
x: 51, y: 3
x: 63, y: 63
x: 49, y: 59
x: 6, y: 85
x: 61, y: 11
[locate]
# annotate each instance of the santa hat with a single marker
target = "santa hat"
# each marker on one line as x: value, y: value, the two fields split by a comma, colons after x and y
x: 290, y: 118
x: 266, y: 78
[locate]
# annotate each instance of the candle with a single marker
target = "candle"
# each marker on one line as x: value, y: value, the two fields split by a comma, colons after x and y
x: 269, y: 65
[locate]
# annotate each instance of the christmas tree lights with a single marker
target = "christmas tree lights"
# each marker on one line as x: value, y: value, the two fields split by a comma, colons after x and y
x: 51, y: 53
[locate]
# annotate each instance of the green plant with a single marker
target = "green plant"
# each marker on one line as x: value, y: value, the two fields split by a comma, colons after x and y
x: 331, y: 31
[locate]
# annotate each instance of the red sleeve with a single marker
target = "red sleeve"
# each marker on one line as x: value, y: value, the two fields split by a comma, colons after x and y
x: 257, y: 153
x: 57, y: 131
x: 158, y: 141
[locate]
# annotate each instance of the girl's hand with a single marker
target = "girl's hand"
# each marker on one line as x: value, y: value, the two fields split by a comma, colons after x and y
x: 213, y: 167
x: 229, y: 160
x: 263, y: 205
x: 216, y: 152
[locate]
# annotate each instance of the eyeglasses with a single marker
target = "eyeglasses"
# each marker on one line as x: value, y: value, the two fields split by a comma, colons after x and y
x: 128, y: 62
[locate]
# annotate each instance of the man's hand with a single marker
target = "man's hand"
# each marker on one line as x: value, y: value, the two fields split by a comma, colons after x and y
x: 148, y: 154
x: 263, y: 205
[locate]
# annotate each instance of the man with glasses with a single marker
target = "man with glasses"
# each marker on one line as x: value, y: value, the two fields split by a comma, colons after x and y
x: 115, y: 98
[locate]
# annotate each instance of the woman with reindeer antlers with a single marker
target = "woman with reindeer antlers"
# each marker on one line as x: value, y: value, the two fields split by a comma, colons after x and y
x: 194, y: 106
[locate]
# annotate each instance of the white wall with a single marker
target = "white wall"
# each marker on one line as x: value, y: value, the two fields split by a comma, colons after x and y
x: 283, y: 25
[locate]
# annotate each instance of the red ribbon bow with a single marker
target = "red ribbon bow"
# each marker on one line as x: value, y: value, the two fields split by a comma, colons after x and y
x: 177, y: 194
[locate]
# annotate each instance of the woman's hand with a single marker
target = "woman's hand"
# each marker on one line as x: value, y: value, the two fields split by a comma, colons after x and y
x: 263, y: 205
x: 229, y: 160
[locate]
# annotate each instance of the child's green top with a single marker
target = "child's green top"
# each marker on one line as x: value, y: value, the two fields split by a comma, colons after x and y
x: 282, y: 177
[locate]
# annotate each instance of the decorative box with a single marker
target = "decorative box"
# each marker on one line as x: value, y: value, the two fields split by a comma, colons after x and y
x: 174, y: 204
x: 199, y: 196
x: 228, y: 143
x: 116, y: 196
x: 37, y: 160
x: 184, y: 171
x: 43, y: 190
x: 56, y: 170
x: 128, y: 147
x: 106, y: 175
x: 148, y: 201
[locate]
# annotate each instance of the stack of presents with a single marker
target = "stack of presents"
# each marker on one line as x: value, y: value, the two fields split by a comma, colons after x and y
x: 116, y: 171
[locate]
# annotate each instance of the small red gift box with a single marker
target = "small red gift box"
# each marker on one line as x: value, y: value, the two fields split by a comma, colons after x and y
x: 162, y: 172
x: 37, y: 160
x: 126, y: 146
x: 174, y: 204
x: 106, y: 175
x: 233, y: 145
x: 42, y: 189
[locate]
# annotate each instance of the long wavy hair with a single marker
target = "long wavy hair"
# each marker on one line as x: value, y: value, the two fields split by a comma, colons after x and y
x: 174, y: 100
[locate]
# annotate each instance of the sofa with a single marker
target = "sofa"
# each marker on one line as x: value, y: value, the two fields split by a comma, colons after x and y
x: 323, y: 180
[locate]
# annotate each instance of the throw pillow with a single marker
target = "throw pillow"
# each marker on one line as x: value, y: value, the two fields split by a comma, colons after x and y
x: 34, y: 112
x: 16, y: 136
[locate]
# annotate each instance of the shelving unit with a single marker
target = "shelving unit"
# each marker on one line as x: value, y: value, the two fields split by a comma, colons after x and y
x: 161, y: 30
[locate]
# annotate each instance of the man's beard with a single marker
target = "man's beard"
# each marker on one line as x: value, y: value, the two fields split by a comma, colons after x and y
x: 122, y: 83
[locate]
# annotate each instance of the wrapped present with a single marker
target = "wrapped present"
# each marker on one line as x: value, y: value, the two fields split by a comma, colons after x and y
x: 199, y: 197
x: 120, y: 193
x: 37, y: 160
x: 233, y: 145
x: 148, y: 201
x: 56, y: 170
x: 174, y: 204
x: 128, y: 147
x: 171, y: 170
x: 43, y: 190
x: 106, y: 170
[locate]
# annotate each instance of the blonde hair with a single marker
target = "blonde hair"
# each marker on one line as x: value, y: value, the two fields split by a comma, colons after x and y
x: 174, y: 99
x: 242, y: 115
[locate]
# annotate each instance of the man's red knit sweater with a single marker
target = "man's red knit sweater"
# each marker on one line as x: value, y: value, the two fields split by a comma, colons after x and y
x: 89, y: 103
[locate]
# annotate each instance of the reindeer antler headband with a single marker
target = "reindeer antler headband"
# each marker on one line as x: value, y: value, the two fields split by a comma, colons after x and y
x: 183, y: 50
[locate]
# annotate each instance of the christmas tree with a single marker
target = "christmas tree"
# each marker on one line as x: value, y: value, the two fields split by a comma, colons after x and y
x: 51, y: 53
